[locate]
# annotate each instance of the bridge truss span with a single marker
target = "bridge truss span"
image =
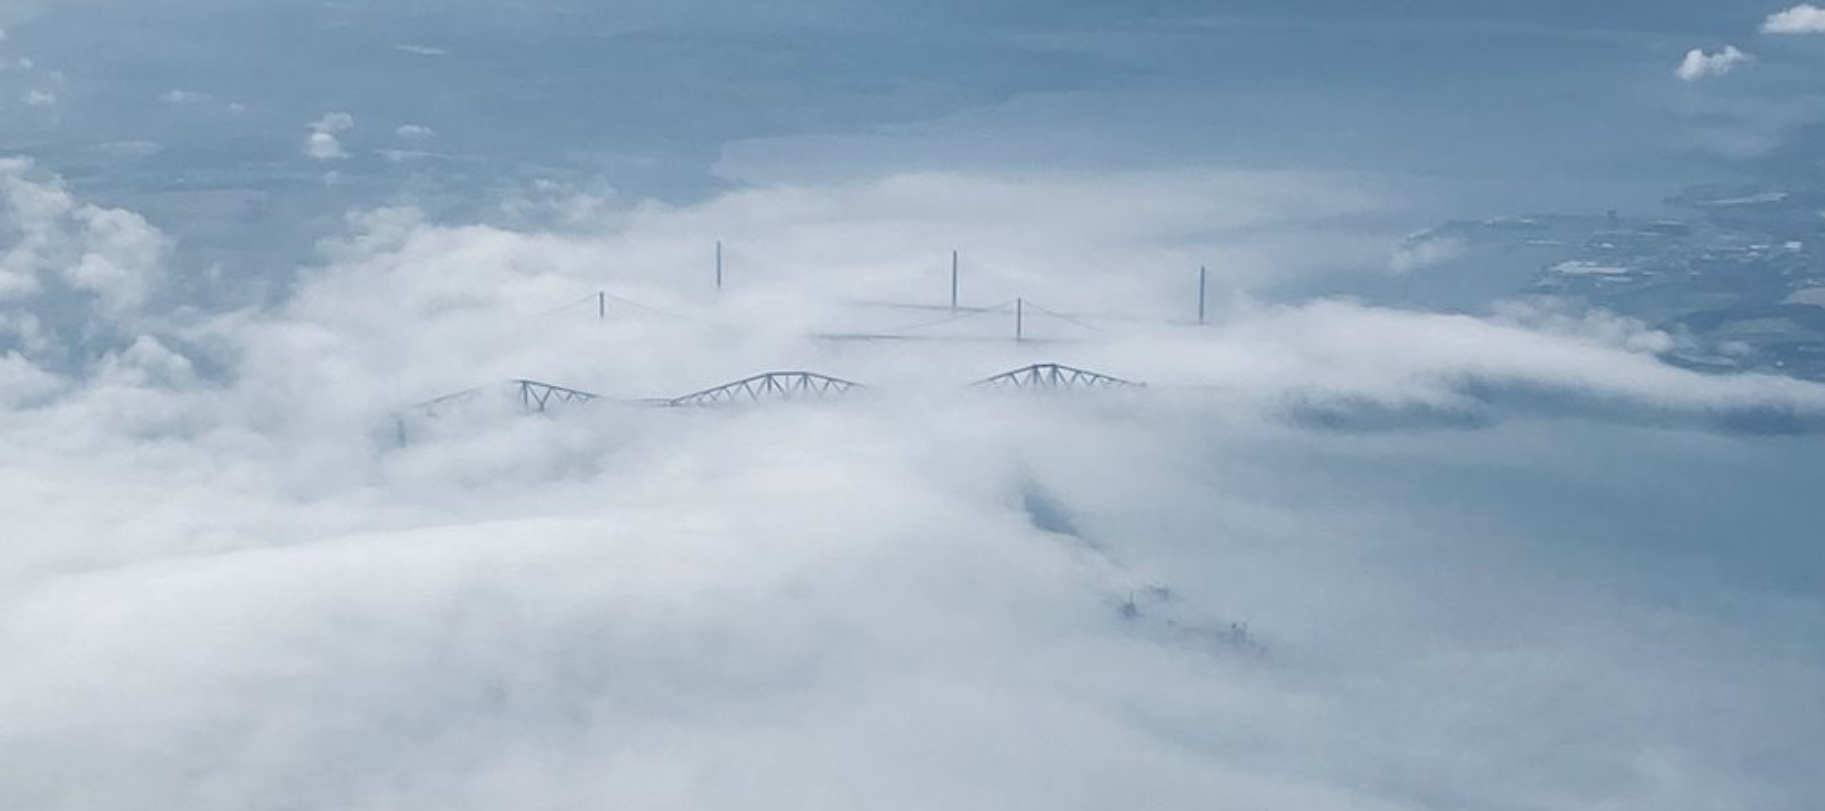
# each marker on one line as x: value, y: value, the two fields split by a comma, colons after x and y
x: 538, y: 397
x: 770, y: 387
x: 1055, y: 377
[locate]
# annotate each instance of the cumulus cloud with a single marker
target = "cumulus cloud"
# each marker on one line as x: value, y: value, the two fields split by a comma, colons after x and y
x: 229, y: 583
x: 39, y: 98
x: 72, y: 273
x: 322, y: 143
x: 1804, y: 18
x: 414, y: 132
x: 1700, y: 65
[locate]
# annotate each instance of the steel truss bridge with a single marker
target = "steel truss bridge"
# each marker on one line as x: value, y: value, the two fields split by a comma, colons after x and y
x: 796, y: 386
x: 536, y: 396
x: 769, y: 387
x: 1054, y: 377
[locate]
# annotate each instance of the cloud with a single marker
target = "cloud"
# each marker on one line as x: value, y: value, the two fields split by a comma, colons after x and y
x: 39, y: 98
x: 1804, y: 18
x: 323, y: 144
x: 799, y: 258
x: 1424, y: 251
x: 414, y: 132
x: 72, y: 273
x: 1699, y: 65
x: 421, y: 50
x: 228, y: 584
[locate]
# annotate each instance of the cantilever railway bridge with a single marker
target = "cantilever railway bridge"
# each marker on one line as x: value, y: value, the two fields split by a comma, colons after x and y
x: 790, y: 386
x: 770, y: 386
x: 537, y: 397
x: 1055, y: 377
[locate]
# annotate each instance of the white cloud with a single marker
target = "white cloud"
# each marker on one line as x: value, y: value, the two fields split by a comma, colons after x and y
x: 1699, y: 65
x: 81, y: 271
x: 414, y: 132
x: 322, y: 143
x: 421, y: 50
x: 1804, y: 18
x: 323, y: 146
x: 1424, y: 251
x: 229, y: 589
x: 40, y: 98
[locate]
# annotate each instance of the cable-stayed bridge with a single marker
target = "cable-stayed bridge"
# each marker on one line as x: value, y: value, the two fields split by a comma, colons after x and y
x: 1020, y: 318
x: 1015, y: 318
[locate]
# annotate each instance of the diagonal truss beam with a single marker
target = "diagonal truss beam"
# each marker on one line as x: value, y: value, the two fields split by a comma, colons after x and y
x: 536, y: 396
x: 771, y: 386
x: 1054, y: 377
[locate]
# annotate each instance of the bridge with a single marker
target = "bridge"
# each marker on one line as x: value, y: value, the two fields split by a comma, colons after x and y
x: 1054, y: 377
x: 433, y: 406
x: 536, y: 396
x: 771, y: 386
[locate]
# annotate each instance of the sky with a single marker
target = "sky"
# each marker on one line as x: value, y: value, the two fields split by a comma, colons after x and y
x: 1338, y: 552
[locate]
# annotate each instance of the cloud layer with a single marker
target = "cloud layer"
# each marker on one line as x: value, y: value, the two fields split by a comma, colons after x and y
x: 229, y: 586
x: 72, y: 274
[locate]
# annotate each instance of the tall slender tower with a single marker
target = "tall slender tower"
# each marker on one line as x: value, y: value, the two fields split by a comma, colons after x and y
x: 1203, y: 284
x: 953, y: 282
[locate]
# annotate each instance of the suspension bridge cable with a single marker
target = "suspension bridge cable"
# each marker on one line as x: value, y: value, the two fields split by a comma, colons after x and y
x: 1066, y: 318
x: 605, y: 295
x: 648, y: 308
x: 1002, y: 307
x: 562, y: 307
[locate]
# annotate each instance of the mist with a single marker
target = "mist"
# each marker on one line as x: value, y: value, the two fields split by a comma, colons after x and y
x: 373, y: 479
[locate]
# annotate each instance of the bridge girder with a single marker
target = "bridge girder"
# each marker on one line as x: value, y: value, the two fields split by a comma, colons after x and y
x: 1054, y: 377
x: 538, y: 397
x: 780, y: 386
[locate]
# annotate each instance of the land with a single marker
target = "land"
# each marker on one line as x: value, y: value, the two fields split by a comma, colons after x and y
x: 1738, y: 280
